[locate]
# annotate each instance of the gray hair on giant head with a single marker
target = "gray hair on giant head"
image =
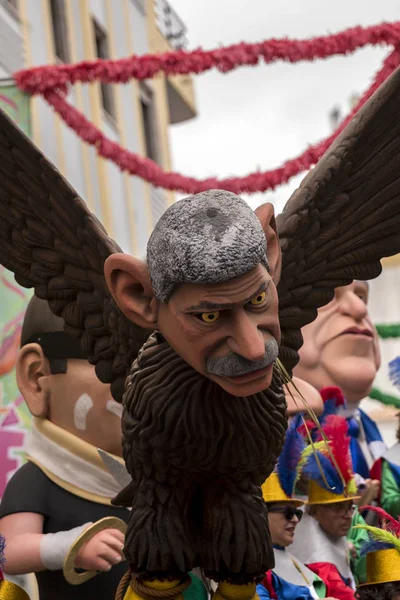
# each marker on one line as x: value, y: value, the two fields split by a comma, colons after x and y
x: 210, y: 237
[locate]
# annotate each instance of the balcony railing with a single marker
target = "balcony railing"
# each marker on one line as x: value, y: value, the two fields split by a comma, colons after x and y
x: 171, y: 25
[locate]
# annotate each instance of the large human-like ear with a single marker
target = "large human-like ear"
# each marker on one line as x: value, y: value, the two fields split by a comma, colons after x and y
x: 265, y: 213
x: 129, y: 283
x: 33, y: 373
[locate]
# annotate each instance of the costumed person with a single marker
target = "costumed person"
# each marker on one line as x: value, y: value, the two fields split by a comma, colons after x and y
x: 382, y: 551
x: 204, y: 414
x: 333, y: 398
x: 8, y: 589
x: 54, y: 505
x: 330, y: 509
x: 289, y: 579
x: 341, y: 349
x: 388, y: 467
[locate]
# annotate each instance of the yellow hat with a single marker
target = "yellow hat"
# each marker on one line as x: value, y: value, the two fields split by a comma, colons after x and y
x: 383, y: 566
x: 327, y: 465
x: 11, y: 591
x: 319, y: 495
x: 272, y: 491
x: 382, y: 549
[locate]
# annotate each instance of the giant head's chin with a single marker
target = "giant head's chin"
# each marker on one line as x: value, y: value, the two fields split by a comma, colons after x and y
x: 355, y: 377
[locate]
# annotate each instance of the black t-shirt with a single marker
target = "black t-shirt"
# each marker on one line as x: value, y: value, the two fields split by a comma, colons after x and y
x: 29, y: 490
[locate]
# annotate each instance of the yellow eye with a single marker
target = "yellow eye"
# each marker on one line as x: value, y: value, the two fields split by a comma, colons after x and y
x: 209, y: 317
x: 259, y: 299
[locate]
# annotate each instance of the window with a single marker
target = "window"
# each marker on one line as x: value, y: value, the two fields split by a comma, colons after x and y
x: 60, y: 30
x: 149, y: 122
x: 102, y: 51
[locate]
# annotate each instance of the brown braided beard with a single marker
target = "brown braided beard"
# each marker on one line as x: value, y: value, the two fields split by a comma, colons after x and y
x: 197, y: 456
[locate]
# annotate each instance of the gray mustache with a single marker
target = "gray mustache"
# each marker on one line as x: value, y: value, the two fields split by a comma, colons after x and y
x: 234, y: 365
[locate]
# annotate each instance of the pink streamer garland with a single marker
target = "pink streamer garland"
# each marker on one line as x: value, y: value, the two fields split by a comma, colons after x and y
x: 52, y: 82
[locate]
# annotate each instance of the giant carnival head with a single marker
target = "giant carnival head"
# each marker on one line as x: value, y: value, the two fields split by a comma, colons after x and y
x: 209, y: 287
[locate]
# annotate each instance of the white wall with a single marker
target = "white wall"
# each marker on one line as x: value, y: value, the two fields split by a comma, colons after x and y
x: 11, y: 47
x: 117, y: 198
x: 98, y: 10
x: 130, y: 135
x: 384, y: 306
x: 69, y: 156
x: 136, y: 18
x: 92, y: 174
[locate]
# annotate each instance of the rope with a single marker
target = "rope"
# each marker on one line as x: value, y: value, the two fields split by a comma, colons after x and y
x: 123, y: 586
x: 151, y: 594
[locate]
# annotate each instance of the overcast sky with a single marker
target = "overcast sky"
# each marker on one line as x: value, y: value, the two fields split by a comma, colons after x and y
x: 257, y: 117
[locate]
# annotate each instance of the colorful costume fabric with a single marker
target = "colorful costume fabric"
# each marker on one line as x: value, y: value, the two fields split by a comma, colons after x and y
x: 290, y: 579
x: 390, y: 481
x: 276, y: 588
x: 366, y: 442
x: 358, y: 537
x: 322, y: 548
x: 336, y: 587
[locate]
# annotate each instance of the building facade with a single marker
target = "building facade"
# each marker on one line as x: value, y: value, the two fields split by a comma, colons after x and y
x: 137, y: 115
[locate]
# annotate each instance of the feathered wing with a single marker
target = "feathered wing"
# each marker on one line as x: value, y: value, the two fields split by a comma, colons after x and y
x: 53, y: 243
x: 344, y: 217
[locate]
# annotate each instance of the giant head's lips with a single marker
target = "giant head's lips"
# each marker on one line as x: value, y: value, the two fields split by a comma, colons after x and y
x: 363, y: 331
x: 249, y: 376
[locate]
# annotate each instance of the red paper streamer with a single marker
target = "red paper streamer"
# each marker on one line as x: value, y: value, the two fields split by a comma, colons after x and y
x: 38, y: 80
x: 53, y: 81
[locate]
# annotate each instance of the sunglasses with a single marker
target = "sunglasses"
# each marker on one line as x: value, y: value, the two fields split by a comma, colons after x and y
x: 288, y: 512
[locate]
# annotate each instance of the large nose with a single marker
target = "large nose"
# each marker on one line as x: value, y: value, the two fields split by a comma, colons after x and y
x: 353, y: 306
x: 246, y: 339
